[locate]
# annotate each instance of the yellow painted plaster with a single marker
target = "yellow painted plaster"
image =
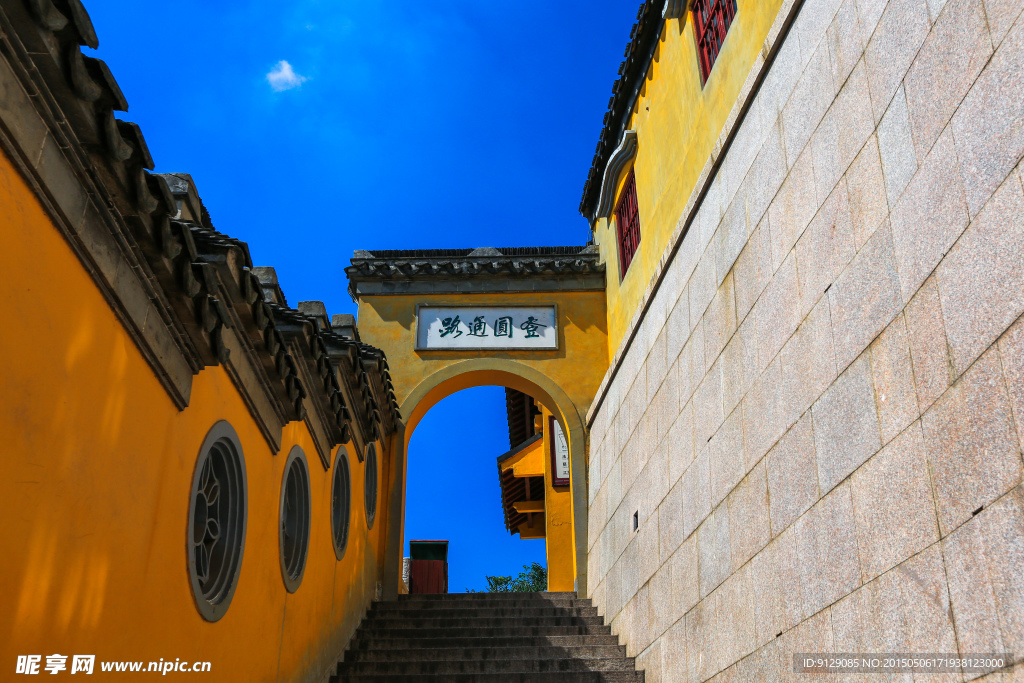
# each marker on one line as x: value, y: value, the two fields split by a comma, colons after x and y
x: 529, y: 462
x: 525, y: 506
x: 558, y: 527
x: 678, y: 121
x: 95, y: 482
x: 578, y: 365
x: 573, y: 371
x: 534, y: 532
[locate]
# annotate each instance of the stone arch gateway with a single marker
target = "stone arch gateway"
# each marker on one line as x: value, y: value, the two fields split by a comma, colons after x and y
x: 528, y: 319
x: 476, y: 372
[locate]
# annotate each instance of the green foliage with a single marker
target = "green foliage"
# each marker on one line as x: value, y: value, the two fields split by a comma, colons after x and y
x: 533, y: 578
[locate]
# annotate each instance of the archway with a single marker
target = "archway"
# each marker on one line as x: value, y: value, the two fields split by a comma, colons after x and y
x: 474, y: 372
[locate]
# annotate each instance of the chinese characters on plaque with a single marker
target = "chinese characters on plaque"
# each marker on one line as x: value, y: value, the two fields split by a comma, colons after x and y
x: 559, y: 454
x: 486, y: 327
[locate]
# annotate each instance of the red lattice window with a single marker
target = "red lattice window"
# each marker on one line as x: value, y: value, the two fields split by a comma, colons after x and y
x: 711, y: 21
x: 627, y: 218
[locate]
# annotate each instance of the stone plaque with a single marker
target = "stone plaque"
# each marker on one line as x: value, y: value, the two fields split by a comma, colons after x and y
x: 448, y: 328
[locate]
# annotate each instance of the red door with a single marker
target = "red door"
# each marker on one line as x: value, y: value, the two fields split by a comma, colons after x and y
x: 428, y: 576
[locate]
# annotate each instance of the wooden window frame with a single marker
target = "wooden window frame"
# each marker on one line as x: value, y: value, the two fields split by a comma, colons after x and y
x: 295, y: 517
x: 341, y: 502
x: 627, y: 224
x: 370, y: 484
x: 712, y: 20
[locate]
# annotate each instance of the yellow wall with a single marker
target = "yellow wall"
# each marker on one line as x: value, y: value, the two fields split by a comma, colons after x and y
x: 576, y: 367
x: 677, y: 123
x: 388, y: 322
x: 535, y: 460
x: 529, y: 462
x: 96, y: 477
x: 557, y: 523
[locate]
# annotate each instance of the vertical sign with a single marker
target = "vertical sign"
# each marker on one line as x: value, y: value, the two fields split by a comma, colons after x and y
x: 559, y: 454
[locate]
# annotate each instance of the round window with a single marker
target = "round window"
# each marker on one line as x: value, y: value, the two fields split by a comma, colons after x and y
x: 370, y: 484
x: 341, y: 502
x: 216, y: 521
x: 295, y: 505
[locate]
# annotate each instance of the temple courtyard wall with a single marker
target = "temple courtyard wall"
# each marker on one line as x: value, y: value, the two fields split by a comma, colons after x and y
x: 811, y: 442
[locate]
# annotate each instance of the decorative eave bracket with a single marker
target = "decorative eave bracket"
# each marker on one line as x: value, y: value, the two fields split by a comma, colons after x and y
x: 676, y: 8
x: 622, y: 155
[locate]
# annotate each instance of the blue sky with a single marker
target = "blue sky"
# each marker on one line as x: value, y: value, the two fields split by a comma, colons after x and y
x: 455, y: 123
x: 460, y: 440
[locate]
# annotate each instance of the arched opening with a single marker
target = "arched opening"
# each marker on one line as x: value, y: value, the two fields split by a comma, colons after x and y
x: 454, y: 493
x: 495, y: 372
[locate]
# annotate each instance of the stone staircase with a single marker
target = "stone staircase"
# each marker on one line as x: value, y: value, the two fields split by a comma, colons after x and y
x: 485, y: 638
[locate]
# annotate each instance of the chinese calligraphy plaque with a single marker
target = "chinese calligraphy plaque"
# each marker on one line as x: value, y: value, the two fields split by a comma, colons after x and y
x: 559, y: 454
x: 448, y: 328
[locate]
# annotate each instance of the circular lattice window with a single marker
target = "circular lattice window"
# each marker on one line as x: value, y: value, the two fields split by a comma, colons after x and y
x: 295, y: 506
x: 341, y: 502
x: 370, y: 484
x: 217, y: 517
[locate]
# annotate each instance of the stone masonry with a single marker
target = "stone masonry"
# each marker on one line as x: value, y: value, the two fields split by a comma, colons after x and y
x: 819, y: 420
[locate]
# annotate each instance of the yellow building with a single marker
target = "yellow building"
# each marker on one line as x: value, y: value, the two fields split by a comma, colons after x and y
x: 774, y: 406
x: 535, y: 478
x: 796, y: 203
x: 441, y: 317
x: 665, y: 121
x: 194, y: 470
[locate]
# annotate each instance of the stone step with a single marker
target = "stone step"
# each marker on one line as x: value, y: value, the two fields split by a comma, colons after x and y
x: 457, y: 597
x: 366, y: 632
x: 486, y: 666
x: 440, y: 610
x: 486, y: 638
x: 555, y: 677
x: 391, y: 653
x: 563, y: 641
x: 422, y: 621
x: 482, y: 603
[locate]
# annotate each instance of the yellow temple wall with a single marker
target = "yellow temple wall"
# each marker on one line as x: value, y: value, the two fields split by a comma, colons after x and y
x: 95, y: 483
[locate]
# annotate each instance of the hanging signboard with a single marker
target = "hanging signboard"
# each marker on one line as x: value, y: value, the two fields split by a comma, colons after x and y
x: 446, y: 328
x: 559, y: 454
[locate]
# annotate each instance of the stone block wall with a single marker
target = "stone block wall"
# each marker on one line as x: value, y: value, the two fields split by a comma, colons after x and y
x: 818, y: 423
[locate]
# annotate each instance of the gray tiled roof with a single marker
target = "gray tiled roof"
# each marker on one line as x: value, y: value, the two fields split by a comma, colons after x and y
x: 481, y: 269
x: 643, y: 39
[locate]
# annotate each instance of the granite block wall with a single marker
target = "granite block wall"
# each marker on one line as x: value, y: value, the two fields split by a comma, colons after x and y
x: 820, y: 418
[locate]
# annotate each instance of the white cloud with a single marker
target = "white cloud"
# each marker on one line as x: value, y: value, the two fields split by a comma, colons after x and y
x: 283, y: 77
